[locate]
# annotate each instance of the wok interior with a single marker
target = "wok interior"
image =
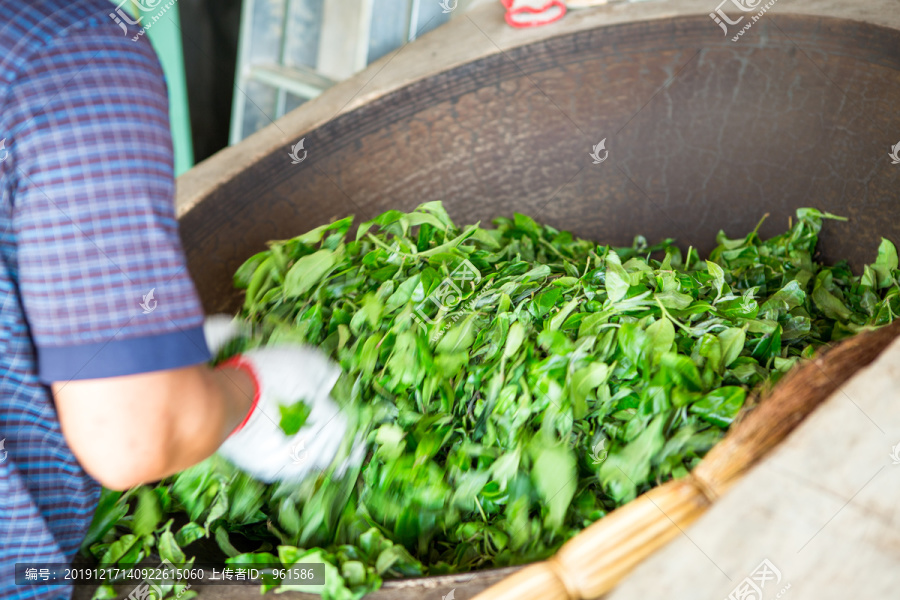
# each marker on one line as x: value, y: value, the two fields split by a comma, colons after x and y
x: 702, y: 134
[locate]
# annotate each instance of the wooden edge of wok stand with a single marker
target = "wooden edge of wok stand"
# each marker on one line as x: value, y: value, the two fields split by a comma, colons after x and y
x: 594, y: 561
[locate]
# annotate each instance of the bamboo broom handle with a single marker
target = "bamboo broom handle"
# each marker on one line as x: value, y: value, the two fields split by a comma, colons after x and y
x: 593, y: 562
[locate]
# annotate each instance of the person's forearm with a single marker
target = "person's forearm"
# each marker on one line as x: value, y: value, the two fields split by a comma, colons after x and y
x: 210, y: 415
x: 129, y: 430
x: 237, y: 390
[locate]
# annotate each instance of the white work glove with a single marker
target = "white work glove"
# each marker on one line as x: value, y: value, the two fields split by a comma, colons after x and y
x: 221, y: 329
x: 283, y: 375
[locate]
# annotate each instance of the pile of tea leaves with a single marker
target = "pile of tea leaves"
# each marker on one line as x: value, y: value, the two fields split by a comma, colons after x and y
x: 514, y: 384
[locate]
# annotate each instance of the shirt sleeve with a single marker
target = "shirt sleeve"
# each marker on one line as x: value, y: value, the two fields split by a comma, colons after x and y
x: 101, y: 271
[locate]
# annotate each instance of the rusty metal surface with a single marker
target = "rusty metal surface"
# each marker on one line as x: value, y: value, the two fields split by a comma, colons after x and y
x: 702, y: 134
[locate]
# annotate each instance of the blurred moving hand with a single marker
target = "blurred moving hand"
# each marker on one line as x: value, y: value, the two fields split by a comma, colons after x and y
x: 283, y: 375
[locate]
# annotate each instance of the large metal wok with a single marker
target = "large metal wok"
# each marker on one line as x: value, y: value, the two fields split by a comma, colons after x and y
x: 702, y: 134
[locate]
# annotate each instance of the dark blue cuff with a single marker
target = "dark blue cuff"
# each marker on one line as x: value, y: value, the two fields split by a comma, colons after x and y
x: 123, y: 357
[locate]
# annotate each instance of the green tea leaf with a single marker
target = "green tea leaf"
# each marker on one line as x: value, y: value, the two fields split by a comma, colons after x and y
x: 718, y: 275
x: 148, y: 513
x: 732, y: 342
x: 662, y: 336
x: 309, y: 270
x: 886, y: 263
x: 189, y: 533
x: 169, y: 549
x: 555, y: 478
x: 293, y: 417
x: 720, y: 406
x: 628, y: 468
x: 618, y: 282
x: 224, y: 542
x: 110, y: 510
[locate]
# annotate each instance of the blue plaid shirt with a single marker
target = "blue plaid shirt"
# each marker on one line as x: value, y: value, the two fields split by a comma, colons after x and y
x: 92, y: 275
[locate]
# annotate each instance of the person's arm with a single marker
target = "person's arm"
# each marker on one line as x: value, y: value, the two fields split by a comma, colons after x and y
x: 116, y: 322
x: 115, y: 319
x: 140, y: 428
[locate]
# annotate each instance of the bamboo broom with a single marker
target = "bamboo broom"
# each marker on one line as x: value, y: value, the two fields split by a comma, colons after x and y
x: 593, y: 562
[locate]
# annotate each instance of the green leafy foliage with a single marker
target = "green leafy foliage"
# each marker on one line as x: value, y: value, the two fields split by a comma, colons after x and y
x: 487, y: 367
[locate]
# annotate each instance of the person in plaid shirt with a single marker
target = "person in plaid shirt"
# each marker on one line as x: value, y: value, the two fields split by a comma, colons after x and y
x: 103, y: 357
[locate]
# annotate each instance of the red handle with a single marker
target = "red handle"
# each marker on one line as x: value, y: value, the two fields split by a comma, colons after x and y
x: 526, y: 15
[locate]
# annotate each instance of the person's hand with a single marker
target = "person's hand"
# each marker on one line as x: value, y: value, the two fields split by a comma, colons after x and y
x: 221, y: 329
x: 283, y: 375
